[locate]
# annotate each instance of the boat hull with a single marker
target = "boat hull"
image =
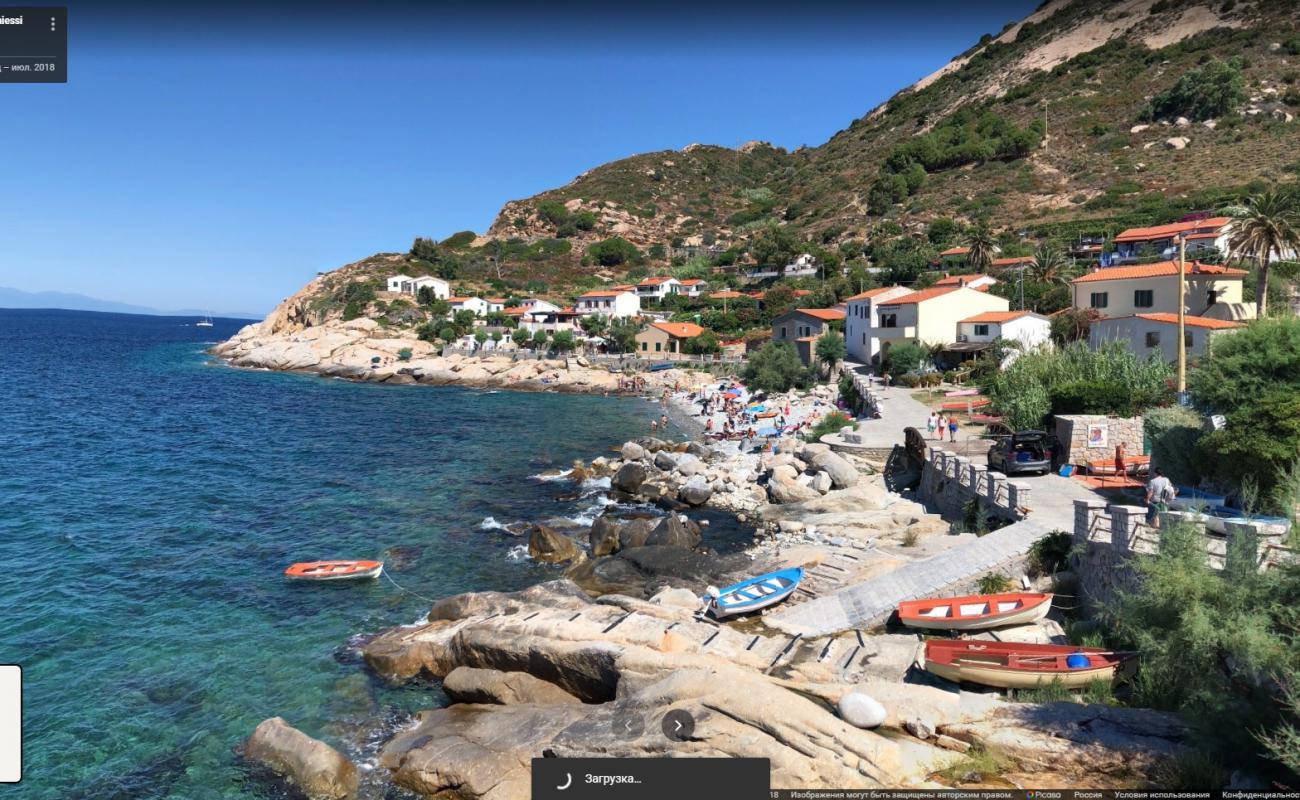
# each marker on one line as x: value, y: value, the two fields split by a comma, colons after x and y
x: 755, y: 594
x: 326, y: 571
x: 1017, y: 679
x: 1029, y: 609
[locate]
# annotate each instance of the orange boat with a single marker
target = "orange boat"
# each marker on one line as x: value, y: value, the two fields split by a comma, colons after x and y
x: 974, y: 402
x: 975, y: 612
x: 334, y: 570
x: 1013, y: 665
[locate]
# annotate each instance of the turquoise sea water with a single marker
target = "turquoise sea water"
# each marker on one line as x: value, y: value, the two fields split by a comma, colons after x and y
x: 151, y: 498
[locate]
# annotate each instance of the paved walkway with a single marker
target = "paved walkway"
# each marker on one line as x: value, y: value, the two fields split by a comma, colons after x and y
x: 871, y: 602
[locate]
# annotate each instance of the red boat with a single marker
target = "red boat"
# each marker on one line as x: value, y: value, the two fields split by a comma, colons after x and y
x: 334, y: 570
x: 975, y: 612
x: 1012, y: 665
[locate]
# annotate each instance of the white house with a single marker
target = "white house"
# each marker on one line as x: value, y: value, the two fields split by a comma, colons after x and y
x: 658, y: 287
x: 1211, y: 233
x: 536, y: 304
x: 495, y: 304
x: 609, y: 303
x: 405, y: 284
x: 693, y: 287
x: 929, y: 316
x: 551, y: 320
x: 860, y: 316
x: 1025, y: 327
x: 476, y: 304
x: 802, y: 267
x: 1158, y: 333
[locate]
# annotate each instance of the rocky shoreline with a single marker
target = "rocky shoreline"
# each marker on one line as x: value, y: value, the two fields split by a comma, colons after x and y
x: 559, y: 669
x: 363, y: 350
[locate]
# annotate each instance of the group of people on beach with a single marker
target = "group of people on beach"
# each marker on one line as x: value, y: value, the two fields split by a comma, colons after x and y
x: 938, y: 422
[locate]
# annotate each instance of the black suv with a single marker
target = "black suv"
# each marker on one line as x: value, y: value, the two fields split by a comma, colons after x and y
x: 1021, y: 452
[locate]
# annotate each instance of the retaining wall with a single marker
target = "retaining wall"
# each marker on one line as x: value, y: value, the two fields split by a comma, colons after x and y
x: 949, y: 482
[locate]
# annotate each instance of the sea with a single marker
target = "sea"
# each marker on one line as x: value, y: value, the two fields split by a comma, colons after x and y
x: 151, y: 497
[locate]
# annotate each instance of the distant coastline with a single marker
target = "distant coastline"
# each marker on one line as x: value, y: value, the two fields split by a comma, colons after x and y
x: 17, y: 299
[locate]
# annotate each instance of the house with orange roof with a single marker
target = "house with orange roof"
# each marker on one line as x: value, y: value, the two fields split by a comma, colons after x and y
x: 1202, y: 235
x: 1029, y: 329
x: 657, y: 287
x: 975, y: 281
x: 495, y: 304
x: 693, y: 287
x: 666, y: 339
x: 802, y: 326
x: 955, y: 256
x: 1014, y: 262
x: 552, y: 320
x: 929, y: 316
x: 616, y: 302
x: 1153, y: 288
x: 860, y: 316
x: 1157, y: 333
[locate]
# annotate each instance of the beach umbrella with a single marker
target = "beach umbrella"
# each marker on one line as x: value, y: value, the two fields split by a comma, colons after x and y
x: 767, y: 432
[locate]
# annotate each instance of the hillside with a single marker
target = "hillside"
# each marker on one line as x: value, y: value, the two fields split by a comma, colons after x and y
x: 1086, y: 117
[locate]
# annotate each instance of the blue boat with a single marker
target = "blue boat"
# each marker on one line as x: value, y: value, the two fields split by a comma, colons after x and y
x: 753, y: 594
x: 1218, y: 518
x: 1190, y: 499
x: 660, y: 367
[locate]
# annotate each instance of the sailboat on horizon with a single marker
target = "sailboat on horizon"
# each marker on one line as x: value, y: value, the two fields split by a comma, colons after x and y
x: 206, y: 322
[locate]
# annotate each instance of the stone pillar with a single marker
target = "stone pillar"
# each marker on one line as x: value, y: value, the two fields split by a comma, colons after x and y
x: 1124, y: 522
x: 979, y: 475
x: 1017, y: 496
x: 960, y: 465
x: 1087, y: 515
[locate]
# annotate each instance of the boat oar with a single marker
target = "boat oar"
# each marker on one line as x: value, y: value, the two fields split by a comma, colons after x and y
x: 1084, y: 652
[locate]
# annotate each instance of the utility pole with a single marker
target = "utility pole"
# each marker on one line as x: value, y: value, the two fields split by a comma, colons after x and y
x: 1182, y: 322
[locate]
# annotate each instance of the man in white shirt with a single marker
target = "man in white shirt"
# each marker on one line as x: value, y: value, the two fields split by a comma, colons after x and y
x: 1160, y: 491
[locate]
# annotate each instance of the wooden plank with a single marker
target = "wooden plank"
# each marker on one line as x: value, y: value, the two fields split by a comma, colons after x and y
x: 752, y: 642
x: 618, y: 622
x: 849, y: 660
x: 575, y: 616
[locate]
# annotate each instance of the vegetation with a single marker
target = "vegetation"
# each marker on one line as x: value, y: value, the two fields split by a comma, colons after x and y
x: 906, y: 357
x: 1210, y: 91
x: 981, y: 245
x: 775, y: 367
x: 830, y: 350
x: 1269, y: 228
x: 831, y: 423
x: 1077, y: 380
x: 1049, y: 554
x: 613, y: 252
x: 1174, y: 434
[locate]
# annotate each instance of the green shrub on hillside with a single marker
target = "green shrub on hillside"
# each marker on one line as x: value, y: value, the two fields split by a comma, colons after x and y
x: 1174, y: 434
x: 614, y: 251
x: 1209, y: 91
x: 459, y: 239
x: 775, y: 368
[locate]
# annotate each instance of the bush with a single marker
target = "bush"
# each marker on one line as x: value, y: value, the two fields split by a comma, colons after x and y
x: 1174, y: 434
x: 404, y: 354
x: 831, y: 423
x: 459, y: 239
x: 904, y: 357
x: 614, y: 252
x: 1213, y: 90
x: 1048, y: 555
x: 775, y: 368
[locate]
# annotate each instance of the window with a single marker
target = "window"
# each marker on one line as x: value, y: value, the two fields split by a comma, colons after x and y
x: 981, y: 330
x: 658, y: 346
x: 783, y: 332
x: 1144, y: 298
x: 1099, y: 299
x: 1187, y: 339
x: 645, y: 346
x: 889, y: 320
x: 864, y: 337
x: 1153, y: 338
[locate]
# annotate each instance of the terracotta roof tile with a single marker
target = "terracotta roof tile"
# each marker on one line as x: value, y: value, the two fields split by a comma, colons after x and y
x: 960, y: 280
x: 679, y: 330
x: 921, y: 296
x: 1195, y: 322
x: 955, y: 251
x: 1167, y: 231
x: 1160, y: 269
x: 827, y: 314
x: 998, y: 316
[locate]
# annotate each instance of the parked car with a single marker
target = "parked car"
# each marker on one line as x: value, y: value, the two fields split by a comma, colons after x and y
x: 1022, y: 452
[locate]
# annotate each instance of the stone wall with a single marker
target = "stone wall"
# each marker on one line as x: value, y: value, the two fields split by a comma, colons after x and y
x: 950, y: 481
x: 1107, y: 539
x: 1072, y: 431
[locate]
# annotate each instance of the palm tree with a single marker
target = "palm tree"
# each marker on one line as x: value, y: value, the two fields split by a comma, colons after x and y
x: 1050, y: 266
x: 1268, y: 228
x: 980, y: 246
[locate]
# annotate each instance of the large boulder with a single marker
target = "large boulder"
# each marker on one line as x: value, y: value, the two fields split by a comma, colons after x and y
x: 666, y: 460
x: 843, y: 474
x: 473, y: 685
x: 861, y: 710
x: 696, y: 491
x: 603, y: 535
x: 635, y: 532
x: 632, y: 452
x: 784, y: 489
x: 688, y: 465
x: 318, y: 770
x: 672, y: 532
x: 551, y: 547
x: 629, y: 477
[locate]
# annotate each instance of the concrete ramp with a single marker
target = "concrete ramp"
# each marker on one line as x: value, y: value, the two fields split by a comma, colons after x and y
x: 871, y: 602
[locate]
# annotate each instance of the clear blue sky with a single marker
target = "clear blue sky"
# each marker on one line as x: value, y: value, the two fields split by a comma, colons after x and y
x: 219, y: 156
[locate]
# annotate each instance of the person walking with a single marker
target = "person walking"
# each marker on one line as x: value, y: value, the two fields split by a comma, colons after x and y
x: 1160, y: 493
x: 942, y: 425
x: 1121, y: 469
x: 931, y: 424
x: 952, y: 429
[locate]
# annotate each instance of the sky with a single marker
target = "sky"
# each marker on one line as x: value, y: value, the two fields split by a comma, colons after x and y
x: 220, y: 155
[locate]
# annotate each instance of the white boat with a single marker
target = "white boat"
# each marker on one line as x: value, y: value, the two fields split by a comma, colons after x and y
x: 753, y: 594
x: 975, y: 612
x: 206, y: 322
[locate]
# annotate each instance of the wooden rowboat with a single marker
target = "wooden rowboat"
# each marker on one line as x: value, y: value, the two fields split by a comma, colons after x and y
x: 334, y: 570
x: 975, y: 612
x: 974, y: 402
x: 753, y: 594
x: 1014, y: 665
